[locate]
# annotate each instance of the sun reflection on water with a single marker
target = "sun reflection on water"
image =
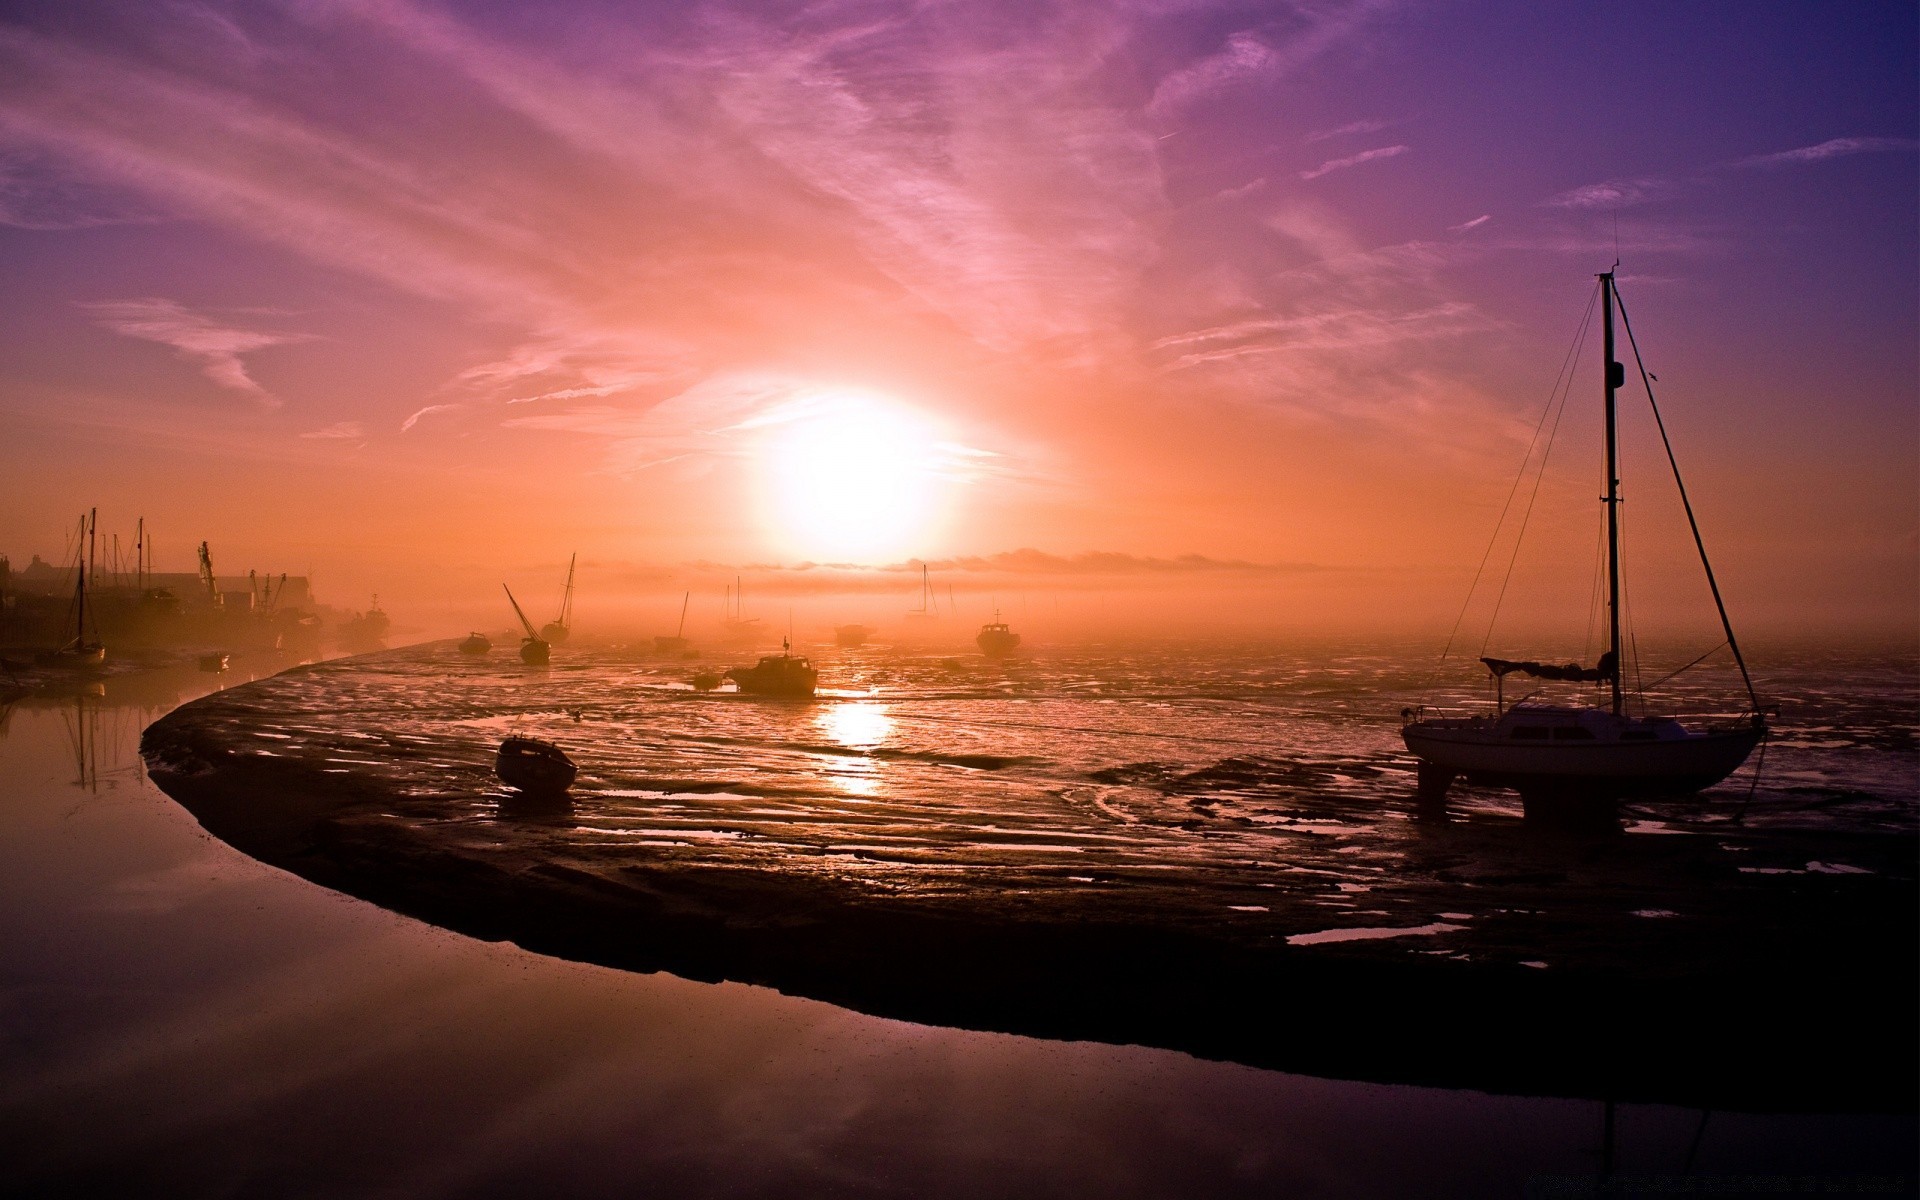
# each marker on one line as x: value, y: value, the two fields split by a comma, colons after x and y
x: 856, y: 725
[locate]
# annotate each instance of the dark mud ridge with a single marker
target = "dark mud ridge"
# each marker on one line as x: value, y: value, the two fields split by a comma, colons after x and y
x: 1676, y: 968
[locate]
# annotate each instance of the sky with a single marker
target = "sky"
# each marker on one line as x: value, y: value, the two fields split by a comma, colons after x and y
x: 1221, y: 314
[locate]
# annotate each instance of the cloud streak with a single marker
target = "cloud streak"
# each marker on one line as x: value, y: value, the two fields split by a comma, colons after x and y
x: 1841, y: 147
x: 216, y: 346
x: 1365, y: 156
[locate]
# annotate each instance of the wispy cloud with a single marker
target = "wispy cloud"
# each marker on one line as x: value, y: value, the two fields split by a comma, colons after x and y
x: 1612, y: 193
x: 428, y: 411
x: 339, y: 431
x: 1351, y: 130
x: 1365, y: 156
x: 215, y: 345
x: 1476, y: 223
x: 1831, y: 148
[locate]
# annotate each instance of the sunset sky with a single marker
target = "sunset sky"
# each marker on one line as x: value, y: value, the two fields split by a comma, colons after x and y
x: 1244, y: 307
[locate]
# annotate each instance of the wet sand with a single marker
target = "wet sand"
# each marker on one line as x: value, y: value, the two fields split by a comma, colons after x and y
x: 1765, y: 967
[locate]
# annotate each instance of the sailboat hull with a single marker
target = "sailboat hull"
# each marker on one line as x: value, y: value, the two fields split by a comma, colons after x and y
x: 1485, y: 753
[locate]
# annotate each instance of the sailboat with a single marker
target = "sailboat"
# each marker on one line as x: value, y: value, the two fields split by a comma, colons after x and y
x: 996, y: 639
x: 927, y: 609
x: 677, y: 644
x: 738, y: 625
x: 1580, y: 759
x: 80, y: 651
x: 556, y: 630
x: 534, y: 651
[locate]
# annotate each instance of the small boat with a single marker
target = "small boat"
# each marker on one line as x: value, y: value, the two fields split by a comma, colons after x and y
x: 995, y: 639
x: 851, y: 635
x: 213, y: 663
x: 676, y: 645
x: 782, y: 674
x: 534, y: 650
x: 533, y: 765
x: 707, y: 681
x: 560, y: 628
x: 476, y: 643
x: 1576, y: 761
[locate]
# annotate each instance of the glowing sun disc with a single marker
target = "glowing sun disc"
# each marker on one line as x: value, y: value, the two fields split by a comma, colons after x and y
x: 851, y: 478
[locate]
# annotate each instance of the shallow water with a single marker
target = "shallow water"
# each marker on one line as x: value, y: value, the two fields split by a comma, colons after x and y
x: 179, y: 1019
x: 1200, y: 777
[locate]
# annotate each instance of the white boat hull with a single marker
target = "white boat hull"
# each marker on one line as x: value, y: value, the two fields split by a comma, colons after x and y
x: 1485, y: 753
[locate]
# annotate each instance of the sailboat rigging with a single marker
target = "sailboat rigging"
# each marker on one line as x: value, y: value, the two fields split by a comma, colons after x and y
x: 1569, y: 759
x: 557, y: 630
x: 534, y: 650
x: 80, y: 651
x: 678, y: 643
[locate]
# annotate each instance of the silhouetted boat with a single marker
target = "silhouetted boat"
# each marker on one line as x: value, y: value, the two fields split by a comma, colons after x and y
x: 533, y: 650
x: 737, y: 626
x: 533, y: 765
x: 213, y: 663
x: 927, y: 610
x: 361, y: 628
x: 1567, y: 759
x: 782, y: 674
x: 995, y: 639
x: 677, y: 644
x: 851, y: 635
x: 81, y: 652
x: 560, y: 628
x: 476, y: 643
x: 707, y: 681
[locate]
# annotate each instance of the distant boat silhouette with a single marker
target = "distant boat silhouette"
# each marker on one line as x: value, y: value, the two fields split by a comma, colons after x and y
x: 995, y: 639
x: 534, y: 651
x: 80, y: 652
x: 557, y: 630
x: 782, y: 674
x: 677, y: 644
x: 739, y: 627
x: 851, y: 635
x: 1572, y: 760
x: 476, y: 643
x: 707, y: 681
x: 928, y: 608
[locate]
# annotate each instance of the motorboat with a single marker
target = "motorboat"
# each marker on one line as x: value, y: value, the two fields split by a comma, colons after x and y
x: 782, y: 674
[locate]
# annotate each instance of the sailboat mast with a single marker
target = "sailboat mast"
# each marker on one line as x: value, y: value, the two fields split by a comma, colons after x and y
x: 682, y: 627
x: 80, y: 624
x: 1616, y: 375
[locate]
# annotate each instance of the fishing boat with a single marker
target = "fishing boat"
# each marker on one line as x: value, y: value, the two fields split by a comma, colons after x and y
x: 678, y: 643
x: 851, y: 635
x: 534, y: 650
x: 533, y: 765
x: 82, y: 651
x: 1571, y: 759
x: 557, y: 630
x: 782, y: 674
x: 995, y: 639
x: 476, y: 643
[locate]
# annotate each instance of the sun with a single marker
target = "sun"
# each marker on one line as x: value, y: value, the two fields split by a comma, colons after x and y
x: 851, y: 477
